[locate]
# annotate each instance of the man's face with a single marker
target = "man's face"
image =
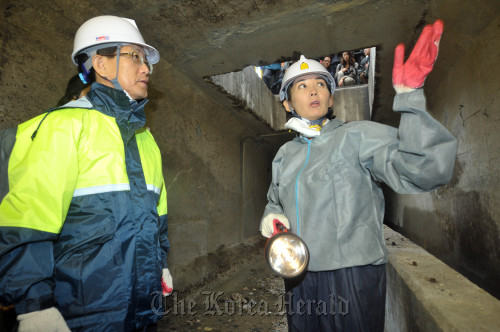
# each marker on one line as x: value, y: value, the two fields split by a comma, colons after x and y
x: 133, y: 77
x: 310, y: 97
x: 326, y: 62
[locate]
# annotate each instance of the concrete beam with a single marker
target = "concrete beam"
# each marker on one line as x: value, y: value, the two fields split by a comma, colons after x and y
x: 351, y: 103
x: 424, y: 294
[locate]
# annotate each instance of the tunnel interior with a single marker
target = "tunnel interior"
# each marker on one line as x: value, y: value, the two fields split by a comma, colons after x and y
x: 217, y: 152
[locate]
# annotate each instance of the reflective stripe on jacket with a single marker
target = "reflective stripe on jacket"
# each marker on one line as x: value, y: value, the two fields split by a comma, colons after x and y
x: 329, y: 186
x: 84, y: 224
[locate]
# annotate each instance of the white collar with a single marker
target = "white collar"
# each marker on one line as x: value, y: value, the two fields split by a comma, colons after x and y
x: 302, y: 126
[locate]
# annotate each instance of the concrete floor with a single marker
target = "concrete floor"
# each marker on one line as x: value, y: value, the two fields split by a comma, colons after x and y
x: 248, y: 297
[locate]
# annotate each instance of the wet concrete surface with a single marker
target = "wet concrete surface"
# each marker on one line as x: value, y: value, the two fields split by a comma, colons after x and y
x: 249, y: 297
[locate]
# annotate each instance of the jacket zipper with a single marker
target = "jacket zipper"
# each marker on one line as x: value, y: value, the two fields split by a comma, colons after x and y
x: 297, y: 184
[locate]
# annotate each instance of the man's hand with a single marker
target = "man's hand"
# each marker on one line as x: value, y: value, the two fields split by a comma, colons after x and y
x: 167, y: 284
x: 49, y: 320
x: 268, y: 228
x: 411, y: 74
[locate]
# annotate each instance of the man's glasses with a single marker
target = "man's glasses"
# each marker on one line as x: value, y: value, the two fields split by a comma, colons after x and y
x: 136, y: 58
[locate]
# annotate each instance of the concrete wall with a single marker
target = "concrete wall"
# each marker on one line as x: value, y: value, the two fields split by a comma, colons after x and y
x: 249, y: 88
x: 460, y: 223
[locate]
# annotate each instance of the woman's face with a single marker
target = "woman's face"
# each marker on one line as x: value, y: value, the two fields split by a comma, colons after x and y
x: 310, y: 97
x: 345, y: 56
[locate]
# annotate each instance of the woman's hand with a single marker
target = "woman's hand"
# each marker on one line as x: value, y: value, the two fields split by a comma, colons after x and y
x: 410, y: 75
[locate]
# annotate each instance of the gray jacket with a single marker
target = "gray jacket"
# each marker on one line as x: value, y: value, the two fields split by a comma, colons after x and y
x: 329, y: 186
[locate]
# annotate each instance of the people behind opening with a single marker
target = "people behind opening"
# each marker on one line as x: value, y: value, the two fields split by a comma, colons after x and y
x: 275, y: 88
x: 364, y: 67
x: 346, y: 73
x: 271, y: 74
x: 342, y: 66
x: 327, y: 63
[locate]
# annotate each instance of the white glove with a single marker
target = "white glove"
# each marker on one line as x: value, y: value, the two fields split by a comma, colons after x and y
x: 49, y: 320
x: 267, y: 225
x: 167, y: 284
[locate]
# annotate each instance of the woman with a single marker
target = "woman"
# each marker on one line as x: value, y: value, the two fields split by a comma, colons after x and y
x: 326, y: 188
x: 347, y: 72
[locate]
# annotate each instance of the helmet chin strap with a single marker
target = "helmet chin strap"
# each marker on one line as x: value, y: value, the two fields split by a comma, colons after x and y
x: 114, y: 81
x: 293, y: 111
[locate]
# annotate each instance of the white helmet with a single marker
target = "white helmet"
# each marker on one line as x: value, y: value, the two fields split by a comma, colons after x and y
x: 106, y: 31
x: 305, y: 67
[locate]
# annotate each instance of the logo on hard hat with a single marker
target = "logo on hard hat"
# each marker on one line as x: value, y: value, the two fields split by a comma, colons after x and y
x: 303, y: 66
x: 101, y: 38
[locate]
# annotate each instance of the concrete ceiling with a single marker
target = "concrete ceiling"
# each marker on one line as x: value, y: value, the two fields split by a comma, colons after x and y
x: 208, y: 37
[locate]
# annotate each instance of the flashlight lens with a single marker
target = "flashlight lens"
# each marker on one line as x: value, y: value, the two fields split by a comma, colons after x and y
x: 288, y: 255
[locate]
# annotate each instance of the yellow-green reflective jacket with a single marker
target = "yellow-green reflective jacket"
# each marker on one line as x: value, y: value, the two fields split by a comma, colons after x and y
x: 83, y: 225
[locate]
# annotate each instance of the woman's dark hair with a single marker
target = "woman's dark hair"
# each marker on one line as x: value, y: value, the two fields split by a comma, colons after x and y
x: 73, y: 90
x: 351, y: 58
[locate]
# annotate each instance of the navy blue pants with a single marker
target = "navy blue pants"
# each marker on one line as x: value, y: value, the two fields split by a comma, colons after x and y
x: 348, y: 299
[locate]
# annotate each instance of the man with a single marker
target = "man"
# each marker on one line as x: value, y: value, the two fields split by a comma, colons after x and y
x: 83, y: 226
x: 271, y: 74
x: 364, y: 67
x: 326, y: 62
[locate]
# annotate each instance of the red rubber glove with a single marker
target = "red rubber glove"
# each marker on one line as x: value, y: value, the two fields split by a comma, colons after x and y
x: 411, y: 75
x: 167, y: 285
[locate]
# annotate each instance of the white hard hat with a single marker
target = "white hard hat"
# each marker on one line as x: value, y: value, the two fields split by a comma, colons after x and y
x: 106, y: 31
x: 305, y: 67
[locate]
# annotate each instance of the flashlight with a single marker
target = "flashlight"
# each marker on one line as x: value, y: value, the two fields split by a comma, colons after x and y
x: 286, y: 253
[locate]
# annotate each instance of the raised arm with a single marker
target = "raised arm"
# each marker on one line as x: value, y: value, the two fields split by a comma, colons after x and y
x: 410, y: 75
x: 420, y: 156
